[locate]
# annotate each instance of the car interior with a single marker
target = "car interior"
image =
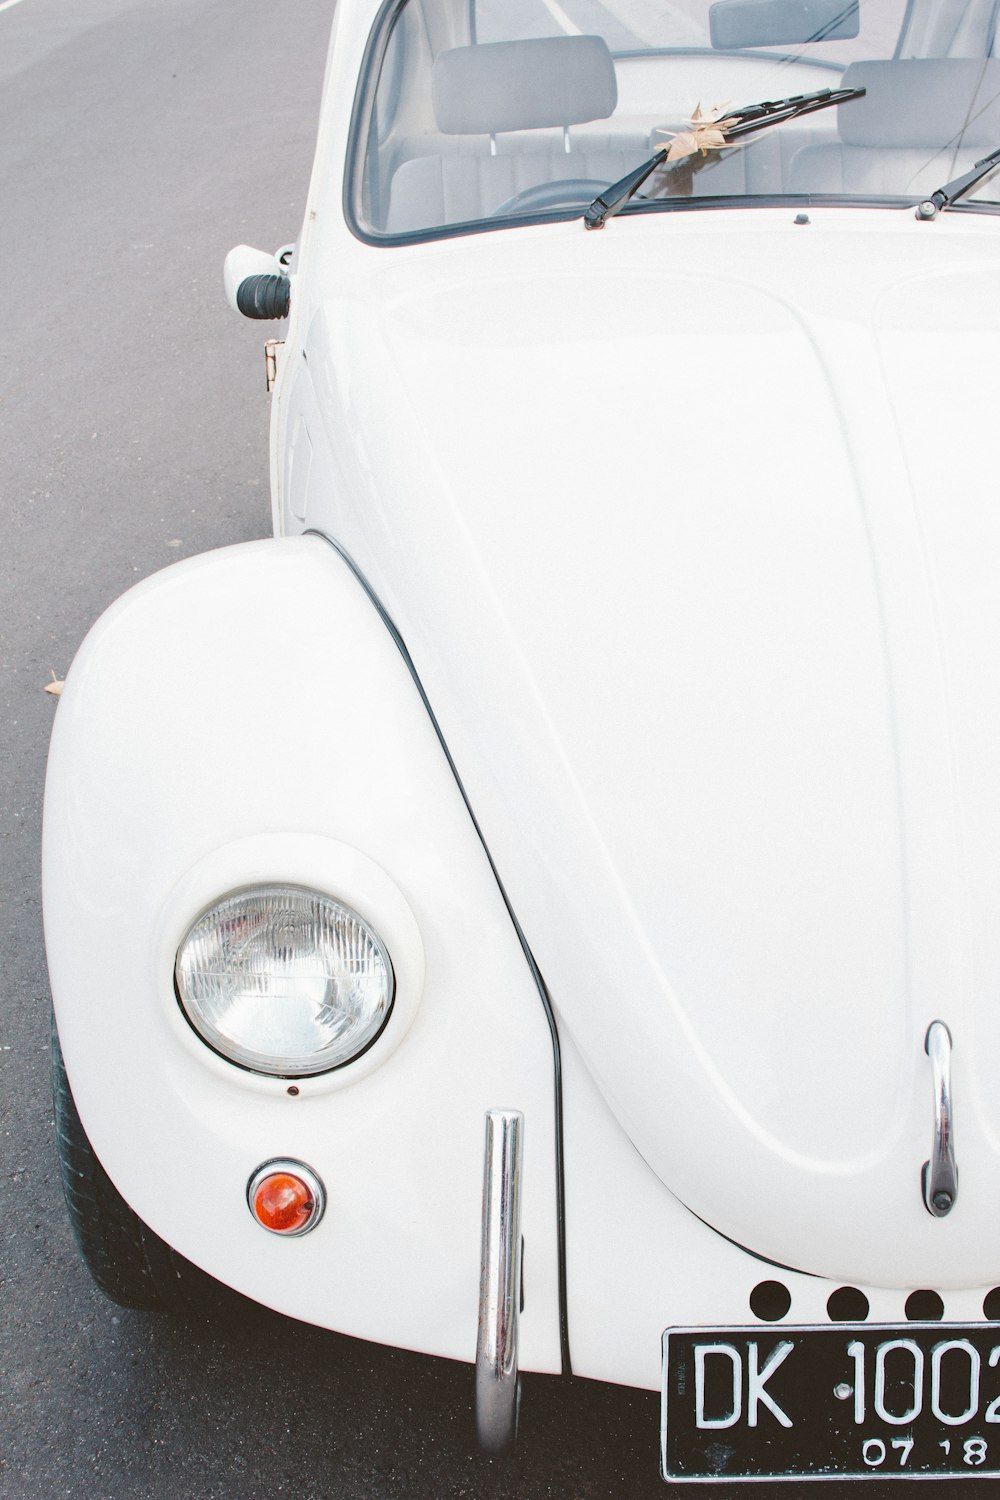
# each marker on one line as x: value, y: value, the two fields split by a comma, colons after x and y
x: 464, y: 129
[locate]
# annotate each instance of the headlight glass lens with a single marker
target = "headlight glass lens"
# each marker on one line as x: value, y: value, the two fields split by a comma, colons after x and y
x: 284, y: 981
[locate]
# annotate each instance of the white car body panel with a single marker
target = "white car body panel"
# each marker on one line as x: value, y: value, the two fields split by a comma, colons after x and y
x: 734, y: 459
x: 801, y: 649
x: 202, y: 745
x: 645, y: 1258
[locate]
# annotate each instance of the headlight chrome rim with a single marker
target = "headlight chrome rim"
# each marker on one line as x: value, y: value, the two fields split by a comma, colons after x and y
x: 257, y: 1062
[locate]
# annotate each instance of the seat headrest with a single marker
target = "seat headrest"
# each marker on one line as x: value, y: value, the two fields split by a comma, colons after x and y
x: 925, y: 101
x: 523, y: 85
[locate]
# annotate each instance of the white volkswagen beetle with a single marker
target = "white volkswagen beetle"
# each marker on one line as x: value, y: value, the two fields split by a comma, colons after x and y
x: 542, y: 908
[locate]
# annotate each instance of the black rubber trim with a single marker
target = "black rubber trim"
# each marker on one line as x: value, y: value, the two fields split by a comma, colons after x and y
x: 739, y: 1245
x: 401, y: 647
x: 266, y: 296
x: 766, y: 1260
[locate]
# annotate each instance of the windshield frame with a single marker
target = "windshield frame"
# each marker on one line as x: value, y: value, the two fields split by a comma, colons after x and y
x: 362, y: 114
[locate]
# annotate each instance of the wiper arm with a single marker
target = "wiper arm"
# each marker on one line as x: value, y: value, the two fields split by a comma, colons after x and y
x: 945, y: 196
x: 738, y: 122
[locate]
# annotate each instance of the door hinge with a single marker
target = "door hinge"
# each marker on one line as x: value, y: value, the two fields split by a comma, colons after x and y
x: 271, y: 360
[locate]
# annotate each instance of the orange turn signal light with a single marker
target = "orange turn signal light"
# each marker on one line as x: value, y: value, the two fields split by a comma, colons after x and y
x: 286, y: 1197
x: 283, y: 1203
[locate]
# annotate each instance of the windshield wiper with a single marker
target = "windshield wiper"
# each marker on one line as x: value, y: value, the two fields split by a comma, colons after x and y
x: 945, y: 196
x: 750, y: 118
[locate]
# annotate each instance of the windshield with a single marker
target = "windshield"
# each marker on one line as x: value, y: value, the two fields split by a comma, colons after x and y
x: 481, y: 113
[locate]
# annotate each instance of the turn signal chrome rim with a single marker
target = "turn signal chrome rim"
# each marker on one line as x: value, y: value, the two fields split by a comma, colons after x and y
x: 286, y: 1197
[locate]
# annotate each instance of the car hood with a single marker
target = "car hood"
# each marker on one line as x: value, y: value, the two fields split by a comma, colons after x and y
x: 696, y: 547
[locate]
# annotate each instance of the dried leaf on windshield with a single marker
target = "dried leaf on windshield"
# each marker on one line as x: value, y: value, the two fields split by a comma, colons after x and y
x: 706, y: 132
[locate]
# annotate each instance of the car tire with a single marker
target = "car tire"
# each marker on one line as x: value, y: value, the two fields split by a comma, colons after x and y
x: 130, y: 1264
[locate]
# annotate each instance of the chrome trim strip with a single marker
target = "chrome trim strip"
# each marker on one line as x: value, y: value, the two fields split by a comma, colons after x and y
x: 940, y: 1174
x: 499, y: 1281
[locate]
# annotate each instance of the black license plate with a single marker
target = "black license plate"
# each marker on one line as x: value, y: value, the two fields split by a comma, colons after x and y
x: 837, y: 1401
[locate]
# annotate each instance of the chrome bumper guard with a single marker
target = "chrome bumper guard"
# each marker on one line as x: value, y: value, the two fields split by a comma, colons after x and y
x: 499, y: 1282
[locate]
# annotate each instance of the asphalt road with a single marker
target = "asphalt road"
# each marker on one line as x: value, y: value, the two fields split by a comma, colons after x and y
x: 139, y: 140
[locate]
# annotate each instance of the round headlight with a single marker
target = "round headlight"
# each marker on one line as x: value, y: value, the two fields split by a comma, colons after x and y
x: 284, y: 981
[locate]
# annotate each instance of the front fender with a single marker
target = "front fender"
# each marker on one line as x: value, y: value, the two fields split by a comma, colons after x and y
x: 244, y: 716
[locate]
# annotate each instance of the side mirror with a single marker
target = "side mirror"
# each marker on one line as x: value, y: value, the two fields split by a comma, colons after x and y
x: 256, y: 283
x: 734, y: 24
